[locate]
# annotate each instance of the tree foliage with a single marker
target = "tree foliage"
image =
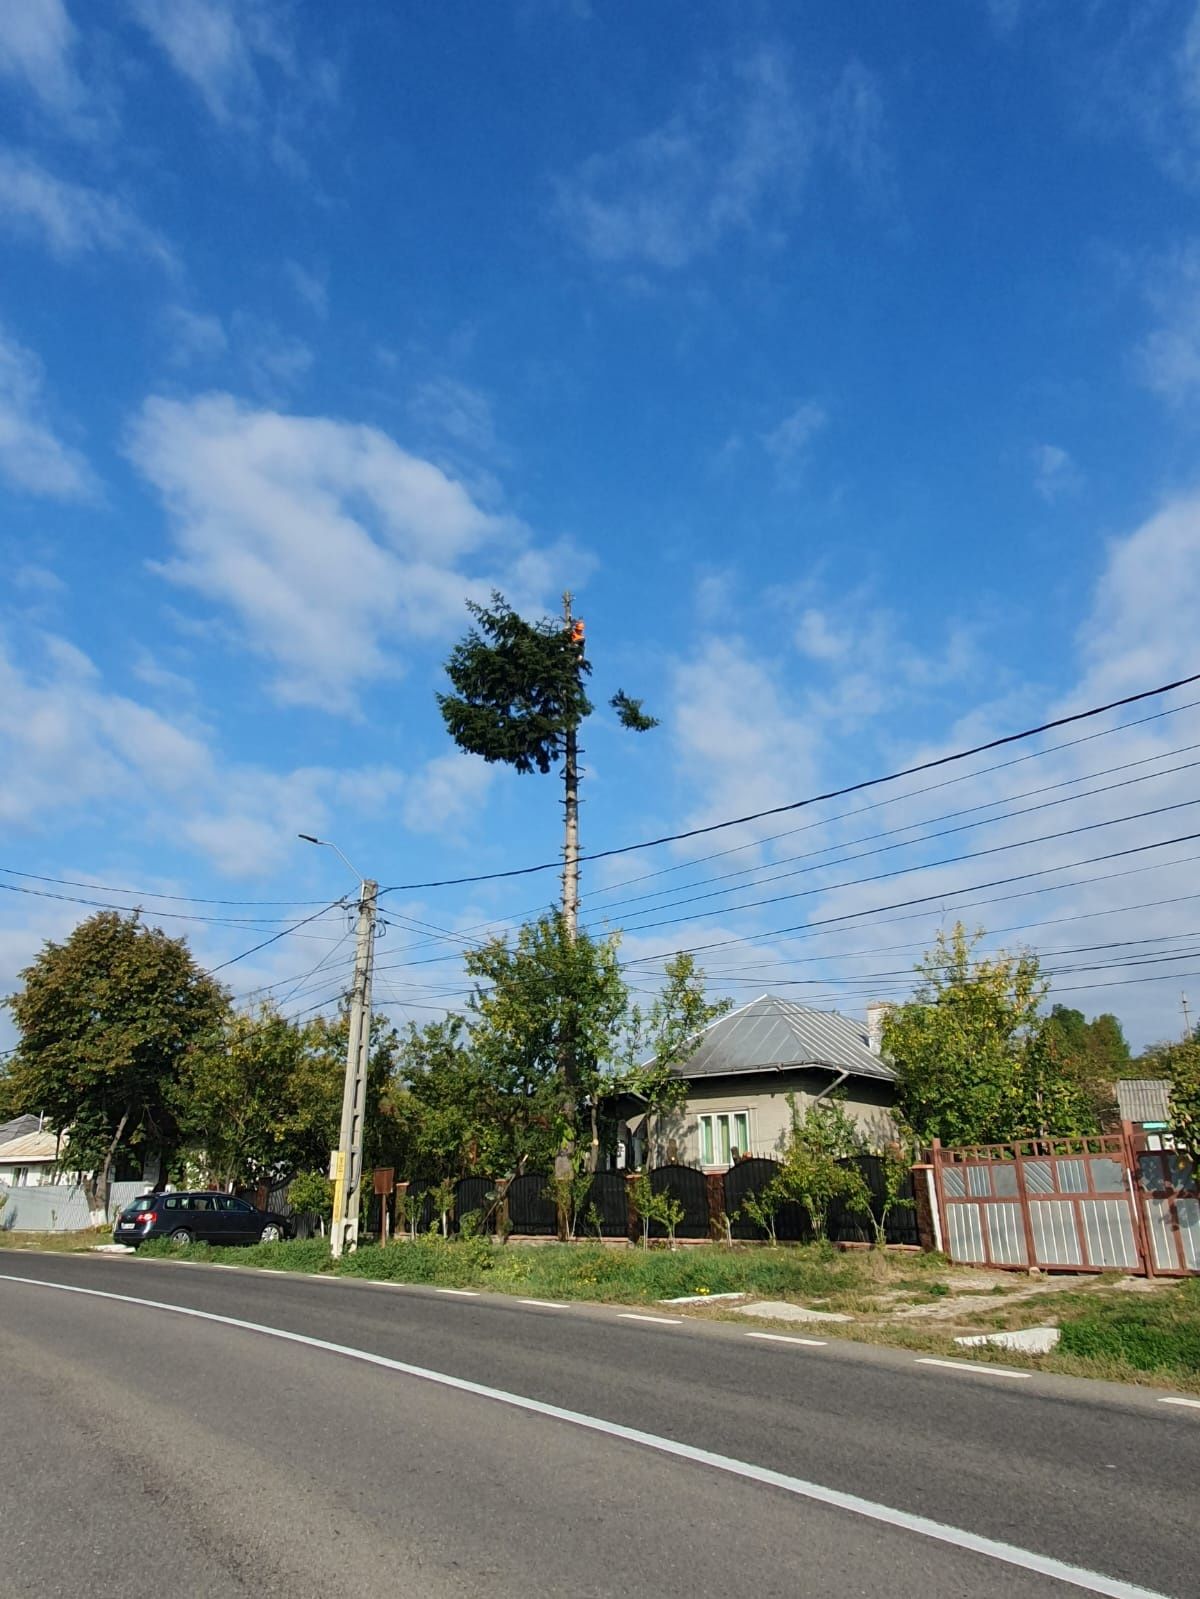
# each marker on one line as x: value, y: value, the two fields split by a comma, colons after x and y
x: 1180, y: 1062
x: 974, y: 1059
x: 108, y: 1021
x: 817, y: 1168
x: 518, y: 688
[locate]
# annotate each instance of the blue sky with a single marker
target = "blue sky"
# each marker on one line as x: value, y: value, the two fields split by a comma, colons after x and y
x: 842, y: 360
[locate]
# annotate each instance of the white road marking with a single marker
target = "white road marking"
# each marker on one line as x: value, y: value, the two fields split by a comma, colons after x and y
x: 972, y: 1365
x: 544, y: 1304
x: 922, y: 1526
x: 1194, y: 1403
x: 785, y: 1338
x: 463, y: 1293
x: 663, y: 1321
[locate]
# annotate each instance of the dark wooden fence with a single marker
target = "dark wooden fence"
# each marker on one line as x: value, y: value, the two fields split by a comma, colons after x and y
x: 531, y: 1211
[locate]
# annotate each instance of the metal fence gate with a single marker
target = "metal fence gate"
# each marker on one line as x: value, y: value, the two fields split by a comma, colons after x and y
x: 1056, y: 1203
x: 1170, y: 1198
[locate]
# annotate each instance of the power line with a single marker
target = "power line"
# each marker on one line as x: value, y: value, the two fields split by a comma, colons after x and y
x: 912, y: 843
x: 924, y: 866
x: 275, y: 937
x: 896, y: 799
x: 150, y: 893
x: 178, y: 916
x: 812, y: 799
x: 927, y: 899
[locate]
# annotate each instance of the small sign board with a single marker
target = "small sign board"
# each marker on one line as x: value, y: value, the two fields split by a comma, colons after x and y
x: 337, y: 1165
x: 385, y: 1179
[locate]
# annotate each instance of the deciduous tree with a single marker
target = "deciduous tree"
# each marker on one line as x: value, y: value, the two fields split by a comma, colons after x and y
x: 108, y: 1021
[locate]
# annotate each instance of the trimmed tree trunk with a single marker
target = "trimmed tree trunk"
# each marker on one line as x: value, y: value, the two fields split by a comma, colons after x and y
x: 564, y: 1161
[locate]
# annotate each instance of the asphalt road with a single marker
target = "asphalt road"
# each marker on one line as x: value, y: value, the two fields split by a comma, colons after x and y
x: 147, y: 1452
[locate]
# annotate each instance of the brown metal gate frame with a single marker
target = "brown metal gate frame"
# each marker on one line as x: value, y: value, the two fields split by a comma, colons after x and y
x: 1002, y: 1183
x: 1166, y: 1182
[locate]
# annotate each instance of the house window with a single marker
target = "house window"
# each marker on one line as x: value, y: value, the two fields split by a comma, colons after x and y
x: 723, y: 1137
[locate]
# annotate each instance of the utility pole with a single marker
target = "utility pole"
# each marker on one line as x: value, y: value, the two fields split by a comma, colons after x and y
x: 570, y: 876
x: 347, y: 1162
x: 1187, y: 1020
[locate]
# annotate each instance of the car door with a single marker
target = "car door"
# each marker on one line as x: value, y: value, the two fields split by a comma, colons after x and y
x: 206, y: 1220
x: 242, y: 1219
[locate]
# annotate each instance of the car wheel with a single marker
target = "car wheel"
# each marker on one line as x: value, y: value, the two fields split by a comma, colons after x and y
x: 181, y: 1238
x: 272, y: 1233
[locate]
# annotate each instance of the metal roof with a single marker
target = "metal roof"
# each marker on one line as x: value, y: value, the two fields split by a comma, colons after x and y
x: 1144, y: 1099
x: 18, y: 1127
x: 29, y: 1149
x: 771, y: 1033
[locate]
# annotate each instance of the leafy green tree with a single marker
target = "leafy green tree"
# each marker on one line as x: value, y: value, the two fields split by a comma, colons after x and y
x: 1180, y: 1063
x: 816, y: 1169
x: 235, y: 1099
x: 311, y: 1193
x: 970, y: 1050
x: 550, y: 1009
x: 659, y: 1039
x: 264, y: 1098
x: 1092, y: 1053
x: 650, y: 1206
x: 469, y: 1110
x: 108, y: 1021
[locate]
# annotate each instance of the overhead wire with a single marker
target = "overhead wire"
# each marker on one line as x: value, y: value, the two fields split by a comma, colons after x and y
x: 812, y: 799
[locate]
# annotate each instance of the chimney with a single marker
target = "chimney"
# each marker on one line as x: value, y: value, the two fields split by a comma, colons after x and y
x: 876, y: 1012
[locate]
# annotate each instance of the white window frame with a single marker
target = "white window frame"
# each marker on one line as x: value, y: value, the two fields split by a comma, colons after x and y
x: 714, y: 1157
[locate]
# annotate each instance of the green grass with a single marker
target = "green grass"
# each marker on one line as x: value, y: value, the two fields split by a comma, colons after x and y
x: 563, y: 1271
x: 60, y: 1243
x: 1156, y: 1334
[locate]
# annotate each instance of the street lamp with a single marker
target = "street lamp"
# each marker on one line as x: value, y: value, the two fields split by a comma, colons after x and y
x: 345, y: 1166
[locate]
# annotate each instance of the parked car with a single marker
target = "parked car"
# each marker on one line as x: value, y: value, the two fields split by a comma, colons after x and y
x: 206, y: 1217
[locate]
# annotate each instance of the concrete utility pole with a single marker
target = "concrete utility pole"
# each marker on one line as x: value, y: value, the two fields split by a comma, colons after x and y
x: 348, y: 1160
x: 345, y: 1163
x: 1187, y: 1020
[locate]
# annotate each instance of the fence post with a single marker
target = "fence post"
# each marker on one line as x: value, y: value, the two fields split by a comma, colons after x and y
x: 502, y: 1228
x: 923, y: 1206
x: 714, y: 1194
x: 633, y: 1222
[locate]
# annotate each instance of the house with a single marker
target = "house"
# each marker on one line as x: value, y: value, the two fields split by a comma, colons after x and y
x: 744, y: 1067
x: 1146, y: 1103
x: 31, y: 1160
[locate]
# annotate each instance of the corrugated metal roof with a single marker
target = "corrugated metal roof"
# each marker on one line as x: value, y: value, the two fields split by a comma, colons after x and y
x: 770, y: 1033
x: 32, y: 1147
x: 1144, y: 1099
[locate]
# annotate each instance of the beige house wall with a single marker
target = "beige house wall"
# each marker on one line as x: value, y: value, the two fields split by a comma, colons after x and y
x: 763, y: 1095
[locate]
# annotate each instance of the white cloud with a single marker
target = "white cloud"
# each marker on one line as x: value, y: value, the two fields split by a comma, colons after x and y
x: 32, y: 457
x: 71, y: 218
x: 37, y: 45
x: 741, y: 743
x: 788, y: 441
x: 858, y: 131
x: 732, y: 160
x: 240, y: 58
x: 330, y: 543
x: 460, y: 414
x: 310, y: 288
x: 194, y: 335
x: 817, y: 638
x: 1055, y: 475
x: 72, y: 749
x: 1139, y: 631
x: 447, y: 793
x: 1168, y: 359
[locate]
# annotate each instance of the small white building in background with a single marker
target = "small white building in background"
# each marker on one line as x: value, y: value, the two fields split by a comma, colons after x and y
x: 32, y: 1161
